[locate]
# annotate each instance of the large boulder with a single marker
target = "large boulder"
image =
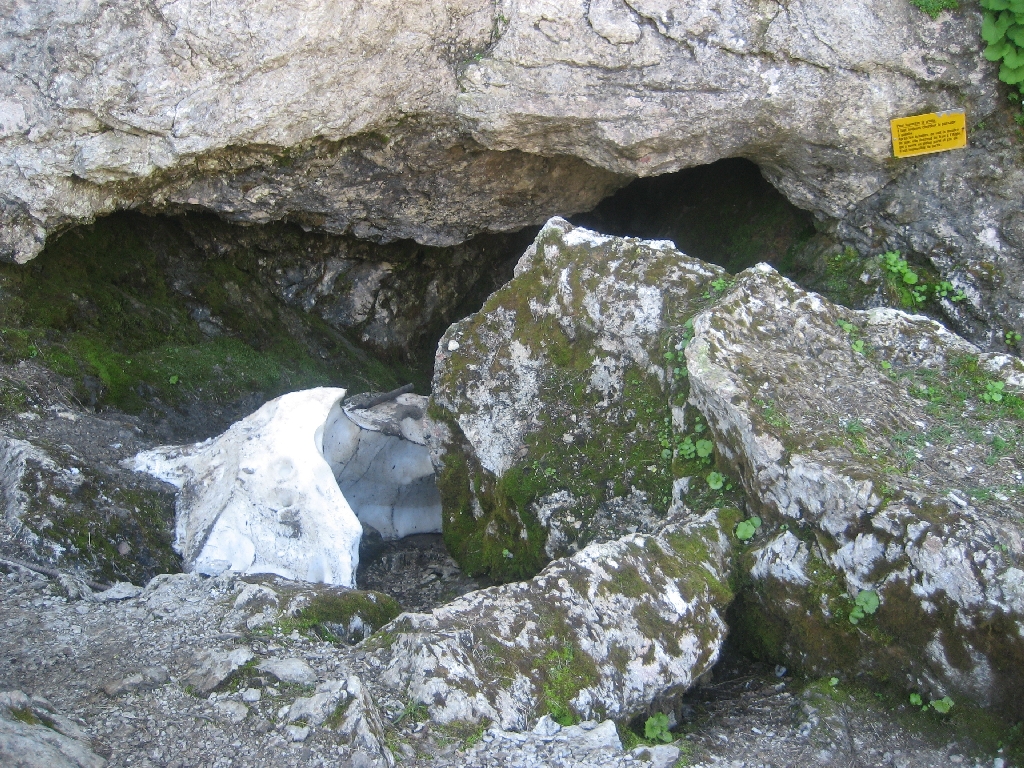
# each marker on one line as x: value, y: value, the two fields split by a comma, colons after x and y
x: 558, y: 409
x: 34, y: 735
x: 884, y: 455
x: 600, y: 634
x: 437, y: 120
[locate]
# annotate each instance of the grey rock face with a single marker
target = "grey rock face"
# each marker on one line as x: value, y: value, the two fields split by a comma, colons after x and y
x: 435, y: 120
x: 874, y: 445
x: 601, y: 633
x: 214, y: 667
x: 33, y: 735
x: 556, y: 406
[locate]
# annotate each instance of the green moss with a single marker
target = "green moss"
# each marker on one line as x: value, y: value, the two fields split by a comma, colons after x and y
x: 25, y: 715
x: 626, y: 580
x: 98, y: 304
x: 91, y: 518
x: 566, y: 672
x: 328, y: 615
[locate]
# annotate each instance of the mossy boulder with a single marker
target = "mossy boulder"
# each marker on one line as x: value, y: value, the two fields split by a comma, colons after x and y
x: 597, y: 635
x: 885, y: 457
x: 559, y: 407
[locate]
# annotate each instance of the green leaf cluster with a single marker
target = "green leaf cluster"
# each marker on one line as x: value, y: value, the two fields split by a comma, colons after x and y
x: 1003, y: 29
x: 865, y: 604
x: 912, y: 290
x: 942, y: 706
x: 746, y: 529
x: 656, y: 728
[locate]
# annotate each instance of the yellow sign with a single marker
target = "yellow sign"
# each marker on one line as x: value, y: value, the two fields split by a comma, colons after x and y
x: 924, y: 134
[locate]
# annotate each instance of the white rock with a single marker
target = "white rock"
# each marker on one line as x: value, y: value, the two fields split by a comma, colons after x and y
x: 214, y: 667
x: 261, y: 498
x: 231, y: 711
x: 318, y: 707
x: 122, y: 590
x: 289, y: 670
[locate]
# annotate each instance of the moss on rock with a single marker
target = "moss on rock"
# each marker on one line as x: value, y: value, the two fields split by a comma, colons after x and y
x: 567, y: 391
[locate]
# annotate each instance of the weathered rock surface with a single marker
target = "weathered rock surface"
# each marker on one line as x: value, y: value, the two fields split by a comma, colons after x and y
x: 64, y: 500
x: 67, y: 650
x: 558, y: 407
x: 33, y: 735
x: 262, y: 498
x: 454, y: 118
x: 884, y: 454
x: 600, y: 634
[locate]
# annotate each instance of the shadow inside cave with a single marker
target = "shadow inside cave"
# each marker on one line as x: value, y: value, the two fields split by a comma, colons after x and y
x: 726, y: 213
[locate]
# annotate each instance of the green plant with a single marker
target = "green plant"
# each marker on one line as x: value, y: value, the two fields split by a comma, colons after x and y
x: 746, y: 529
x: 916, y: 700
x: 656, y: 728
x: 898, y: 267
x: 718, y: 287
x: 943, y: 705
x: 413, y: 711
x: 993, y: 391
x: 771, y: 414
x: 946, y: 290
x: 858, y: 345
x: 715, y: 480
x: 1002, y: 27
x: 865, y: 604
x: 934, y: 7
x: 566, y: 676
x: 833, y: 681
x: 1012, y: 338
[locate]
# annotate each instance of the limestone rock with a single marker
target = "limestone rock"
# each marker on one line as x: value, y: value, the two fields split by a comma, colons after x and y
x: 261, y: 498
x: 879, y: 449
x: 59, y: 505
x: 604, y: 631
x: 315, y: 709
x: 214, y: 667
x: 557, y: 406
x: 436, y: 120
x: 33, y: 735
x: 288, y: 670
x: 145, y: 679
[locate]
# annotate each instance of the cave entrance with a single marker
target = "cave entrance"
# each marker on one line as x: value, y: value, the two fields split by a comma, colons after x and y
x: 725, y: 213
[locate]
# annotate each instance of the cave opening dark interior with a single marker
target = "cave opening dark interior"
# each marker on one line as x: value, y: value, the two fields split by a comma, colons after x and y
x: 725, y: 213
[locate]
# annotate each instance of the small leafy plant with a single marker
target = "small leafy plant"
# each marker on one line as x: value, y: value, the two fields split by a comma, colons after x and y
x: 898, y: 267
x: 1012, y: 338
x: 942, y: 706
x: 656, y: 728
x: 865, y: 604
x: 746, y: 529
x: 1002, y: 27
x: 993, y: 391
x: 718, y: 287
x: 715, y: 480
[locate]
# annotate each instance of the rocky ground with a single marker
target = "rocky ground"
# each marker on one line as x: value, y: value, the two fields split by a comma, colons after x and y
x: 132, y: 675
